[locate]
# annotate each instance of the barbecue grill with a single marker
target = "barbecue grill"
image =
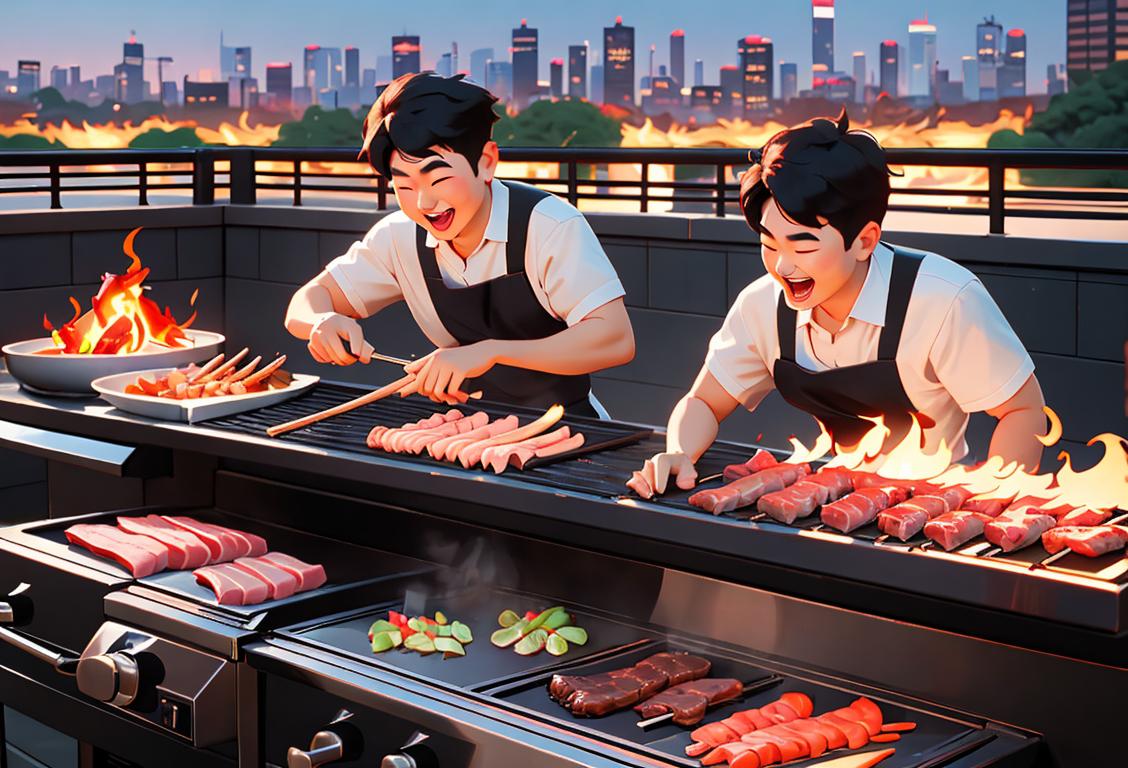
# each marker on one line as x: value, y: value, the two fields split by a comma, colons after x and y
x: 965, y: 646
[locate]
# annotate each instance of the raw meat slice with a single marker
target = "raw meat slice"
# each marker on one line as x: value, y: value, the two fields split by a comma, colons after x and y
x: 748, y: 490
x: 280, y: 583
x: 223, y: 546
x: 309, y: 576
x: 802, y: 498
x: 498, y: 456
x: 438, y: 448
x: 1090, y: 542
x: 861, y: 507
x: 1085, y: 516
x: 760, y: 460
x: 416, y: 442
x: 185, y: 550
x: 1015, y: 530
x: 952, y: 529
x: 140, y: 555
x: 232, y: 585
x: 989, y: 507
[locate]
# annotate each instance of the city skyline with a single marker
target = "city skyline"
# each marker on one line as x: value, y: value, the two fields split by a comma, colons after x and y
x: 860, y: 25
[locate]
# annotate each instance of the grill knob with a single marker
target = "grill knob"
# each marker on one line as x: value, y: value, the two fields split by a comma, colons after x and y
x: 339, y: 741
x: 113, y: 678
x: 413, y: 756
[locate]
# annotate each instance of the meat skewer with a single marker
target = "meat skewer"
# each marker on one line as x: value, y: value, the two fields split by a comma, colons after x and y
x: 686, y: 703
x: 337, y: 410
x: 745, y: 690
x: 748, y: 490
x: 606, y: 692
x: 862, y: 506
x: 1056, y: 537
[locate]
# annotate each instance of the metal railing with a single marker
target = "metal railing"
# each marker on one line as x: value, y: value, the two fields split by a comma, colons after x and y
x: 708, y: 183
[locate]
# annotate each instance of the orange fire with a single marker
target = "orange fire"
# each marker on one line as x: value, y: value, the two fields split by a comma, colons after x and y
x: 1103, y: 486
x: 121, y: 320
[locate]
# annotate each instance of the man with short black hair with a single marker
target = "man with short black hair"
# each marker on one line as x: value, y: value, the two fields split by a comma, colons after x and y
x: 849, y: 328
x: 508, y: 281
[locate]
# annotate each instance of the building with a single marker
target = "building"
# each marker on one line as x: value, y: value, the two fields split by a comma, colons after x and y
x: 129, y: 77
x: 663, y: 96
x: 757, y: 73
x: 367, y: 82
x: 922, y: 60
x: 444, y: 66
x: 170, y: 93
x: 242, y: 61
x: 859, y: 77
x: 556, y: 78
x: 280, y: 84
x: 822, y: 35
x: 708, y: 98
x: 619, y: 65
x: 1097, y: 35
x: 988, y: 48
x: 1012, y: 74
x: 788, y: 80
x: 499, y: 79
x: 384, y: 69
x: 405, y: 55
x: 204, y: 95
x: 595, y: 78
x: 949, y: 92
x: 970, y: 78
x: 698, y: 72
x: 352, y: 66
x: 104, y: 86
x: 315, y: 68
x: 234, y: 61
x: 524, y: 51
x: 677, y: 57
x: 577, y: 71
x: 27, y: 77
x: 732, y: 87
x: 1055, y: 79
x: 478, y: 60
x: 889, y: 72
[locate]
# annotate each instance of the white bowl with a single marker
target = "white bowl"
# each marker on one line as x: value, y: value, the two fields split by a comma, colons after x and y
x: 71, y: 374
x: 112, y: 389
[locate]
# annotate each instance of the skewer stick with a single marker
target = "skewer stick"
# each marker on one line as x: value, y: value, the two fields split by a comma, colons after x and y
x: 1059, y: 555
x: 749, y: 688
x: 990, y: 552
x: 337, y: 410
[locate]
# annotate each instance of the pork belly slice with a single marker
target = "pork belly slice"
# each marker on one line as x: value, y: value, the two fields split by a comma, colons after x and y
x: 1015, y: 530
x: 809, y: 493
x: 1091, y: 541
x: 1084, y: 516
x: 416, y: 441
x: 232, y: 543
x: 185, y: 550
x: 447, y: 448
x: 861, y: 507
x: 748, y: 490
x: 308, y: 576
x: 280, y: 583
x: 760, y: 460
x: 232, y: 585
x: 952, y: 529
x: 498, y: 457
x: 384, y: 440
x: 140, y: 555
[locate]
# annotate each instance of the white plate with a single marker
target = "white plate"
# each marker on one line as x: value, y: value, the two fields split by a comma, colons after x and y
x: 72, y: 374
x: 112, y: 389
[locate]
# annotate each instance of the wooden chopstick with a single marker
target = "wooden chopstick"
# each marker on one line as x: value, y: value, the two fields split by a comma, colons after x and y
x: 337, y: 410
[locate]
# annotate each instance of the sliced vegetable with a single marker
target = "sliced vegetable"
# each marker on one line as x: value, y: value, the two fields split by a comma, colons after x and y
x: 417, y: 624
x: 556, y: 645
x: 461, y: 632
x: 560, y: 618
x: 574, y: 635
x: 503, y: 638
x: 542, y: 617
x: 533, y: 642
x: 449, y: 646
x: 440, y: 618
x: 420, y: 642
x: 507, y: 618
x: 381, y: 625
x: 382, y: 641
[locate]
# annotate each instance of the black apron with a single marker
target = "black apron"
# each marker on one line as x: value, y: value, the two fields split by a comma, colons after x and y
x: 838, y: 397
x: 505, y: 308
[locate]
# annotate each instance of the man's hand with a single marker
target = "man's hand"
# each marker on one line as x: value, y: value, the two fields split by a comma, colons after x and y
x: 659, y: 468
x: 338, y: 340
x: 440, y: 374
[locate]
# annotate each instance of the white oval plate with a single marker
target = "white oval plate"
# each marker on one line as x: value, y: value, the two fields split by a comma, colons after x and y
x: 112, y: 389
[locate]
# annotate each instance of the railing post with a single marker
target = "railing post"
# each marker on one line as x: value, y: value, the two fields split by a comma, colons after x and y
x: 721, y: 189
x: 297, y: 182
x: 56, y: 188
x: 142, y: 183
x: 573, y: 183
x: 243, y: 176
x: 644, y: 188
x: 996, y: 196
x: 203, y: 177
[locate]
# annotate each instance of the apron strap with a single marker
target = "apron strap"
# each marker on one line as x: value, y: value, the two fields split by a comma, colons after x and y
x: 785, y: 328
x: 522, y: 199
x: 428, y: 258
x: 905, y: 267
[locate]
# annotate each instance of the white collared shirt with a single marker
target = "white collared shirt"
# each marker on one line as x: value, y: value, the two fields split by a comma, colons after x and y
x: 567, y: 267
x: 958, y: 354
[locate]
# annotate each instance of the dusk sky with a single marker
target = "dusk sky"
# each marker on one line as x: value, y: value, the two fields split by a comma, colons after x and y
x: 90, y: 33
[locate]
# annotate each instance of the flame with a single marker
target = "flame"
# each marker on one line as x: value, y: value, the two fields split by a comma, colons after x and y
x: 112, y: 136
x: 1102, y: 486
x: 121, y: 320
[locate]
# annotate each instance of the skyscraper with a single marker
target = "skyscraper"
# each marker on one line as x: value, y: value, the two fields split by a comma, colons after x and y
x: 677, y: 57
x: 384, y: 69
x: 336, y: 68
x: 859, y: 77
x: 970, y: 78
x: 444, y: 66
x: 788, y: 80
x: 242, y: 61
x: 478, y: 59
x: 525, y: 68
x: 988, y: 48
x: 890, y: 61
x: 1055, y: 79
x: 822, y: 35
x: 577, y: 71
x: 1012, y: 75
x: 698, y: 72
x: 499, y: 79
x: 405, y: 55
x: 619, y: 64
x: 311, y: 56
x: 129, y: 86
x: 922, y: 59
x: 757, y: 71
x: 1097, y: 34
x: 352, y: 66
x: 556, y: 78
x: 226, y: 60
x: 595, y: 79
x: 27, y: 78
x: 59, y: 78
x: 280, y: 84
x: 732, y: 87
